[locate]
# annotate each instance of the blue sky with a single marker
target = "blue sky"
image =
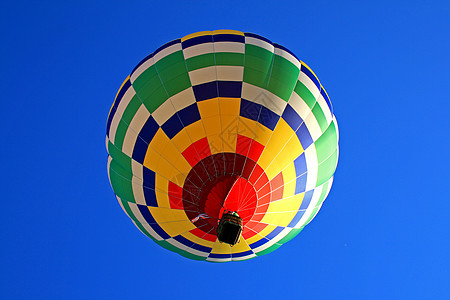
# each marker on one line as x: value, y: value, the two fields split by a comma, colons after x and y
x: 382, y: 233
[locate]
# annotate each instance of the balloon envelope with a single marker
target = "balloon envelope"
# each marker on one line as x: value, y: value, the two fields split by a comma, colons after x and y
x: 221, y: 121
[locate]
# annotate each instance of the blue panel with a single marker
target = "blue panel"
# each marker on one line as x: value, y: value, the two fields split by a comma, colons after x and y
x: 145, y: 212
x: 229, y: 38
x: 149, y: 130
x: 116, y: 103
x: 310, y: 75
x: 300, y: 183
x: 325, y: 96
x: 275, y: 232
x: 217, y: 255
x: 191, y: 244
x: 250, y: 110
x: 285, y: 49
x: 205, y: 91
x: 292, y: 118
x: 307, y: 199
x: 196, y: 41
x: 149, y: 178
x: 268, y: 118
x: 241, y: 254
x: 172, y: 126
x: 297, y: 218
x: 231, y: 89
x: 258, y: 37
x: 150, y: 197
x: 189, y: 115
x: 300, y: 165
x: 304, y: 136
x: 139, y: 150
x: 258, y: 243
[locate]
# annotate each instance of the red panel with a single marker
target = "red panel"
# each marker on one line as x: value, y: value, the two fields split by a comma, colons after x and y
x: 201, y: 234
x: 257, y: 172
x: 248, y: 147
x: 197, y: 151
x: 276, y: 185
x: 175, y: 196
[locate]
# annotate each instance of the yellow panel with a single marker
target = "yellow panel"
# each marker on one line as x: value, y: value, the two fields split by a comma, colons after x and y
x: 258, y: 237
x: 286, y: 204
x: 196, y: 34
x: 282, y: 149
x: 289, y: 179
x: 172, y: 221
x: 179, y: 176
x: 221, y: 248
x: 208, y: 108
x: 182, y: 140
x: 214, y: 134
x: 159, y: 141
x: 230, y: 106
x: 196, y: 131
x: 225, y: 31
x: 254, y: 130
x: 161, y: 190
x: 229, y: 133
x: 151, y: 159
x: 198, y: 240
x: 279, y: 219
x: 164, y: 168
x: 162, y: 215
x: 241, y: 246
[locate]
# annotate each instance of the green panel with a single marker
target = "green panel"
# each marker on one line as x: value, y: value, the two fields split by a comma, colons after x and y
x: 171, y: 247
x: 317, y: 207
x: 257, y: 67
x: 200, y: 61
x: 120, y: 134
x: 326, y: 144
x: 229, y: 59
x: 127, y: 116
x: 177, y: 84
x: 173, y: 73
x: 121, y: 181
x: 131, y: 109
x: 283, y: 78
x: 148, y: 78
x: 268, y: 250
x: 154, y: 100
x: 327, y: 168
x: 305, y: 94
x: 119, y: 157
x: 320, y: 117
x: 293, y: 233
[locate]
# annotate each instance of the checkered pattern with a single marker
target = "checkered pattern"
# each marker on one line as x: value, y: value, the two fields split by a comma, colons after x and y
x: 221, y: 114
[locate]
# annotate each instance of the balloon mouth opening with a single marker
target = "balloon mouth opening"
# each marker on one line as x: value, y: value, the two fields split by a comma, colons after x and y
x: 217, y: 185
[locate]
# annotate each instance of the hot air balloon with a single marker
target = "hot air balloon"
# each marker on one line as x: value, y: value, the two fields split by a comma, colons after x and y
x: 222, y: 145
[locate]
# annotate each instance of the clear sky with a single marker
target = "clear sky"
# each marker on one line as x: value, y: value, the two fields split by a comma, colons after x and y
x: 382, y: 233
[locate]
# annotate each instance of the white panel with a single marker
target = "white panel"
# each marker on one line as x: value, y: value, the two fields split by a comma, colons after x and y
x: 198, y: 50
x: 259, y: 43
x: 263, y: 97
x: 311, y: 166
x: 230, y: 73
x: 288, y: 56
x: 229, y: 47
x: 183, y: 99
x: 129, y: 94
x: 203, y: 75
x: 163, y: 112
x: 167, y: 51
